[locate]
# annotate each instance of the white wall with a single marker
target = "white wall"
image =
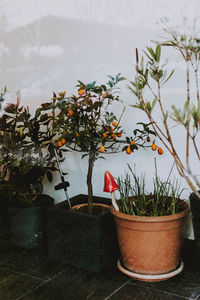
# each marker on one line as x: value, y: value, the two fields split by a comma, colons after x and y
x: 47, y: 46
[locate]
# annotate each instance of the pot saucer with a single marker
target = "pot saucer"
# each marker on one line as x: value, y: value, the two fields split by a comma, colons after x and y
x: 150, y: 278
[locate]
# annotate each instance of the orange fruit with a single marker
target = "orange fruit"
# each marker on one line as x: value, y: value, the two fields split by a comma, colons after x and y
x: 132, y: 143
x: 102, y: 149
x: 115, y: 124
x: 160, y: 151
x: 77, y: 134
x: 128, y: 150
x: 105, y: 135
x: 59, y: 143
x: 63, y: 141
x: 81, y: 92
x: 113, y: 136
x: 70, y: 112
x: 153, y: 147
x: 119, y: 134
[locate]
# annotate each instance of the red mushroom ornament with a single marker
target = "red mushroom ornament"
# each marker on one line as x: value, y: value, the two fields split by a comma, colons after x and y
x: 110, y: 186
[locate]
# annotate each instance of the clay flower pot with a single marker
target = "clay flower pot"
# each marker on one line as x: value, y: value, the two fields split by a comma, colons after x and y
x: 150, y: 245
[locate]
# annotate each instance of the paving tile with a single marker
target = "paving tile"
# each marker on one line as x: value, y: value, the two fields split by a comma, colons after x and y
x: 77, y: 285
x: 13, y: 285
x: 34, y: 263
x: 185, y: 284
x: 134, y: 292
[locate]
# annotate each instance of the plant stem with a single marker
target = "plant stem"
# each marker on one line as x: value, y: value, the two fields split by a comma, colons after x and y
x: 89, y: 182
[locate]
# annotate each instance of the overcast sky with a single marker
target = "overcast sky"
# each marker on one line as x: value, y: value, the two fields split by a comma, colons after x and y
x: 136, y: 13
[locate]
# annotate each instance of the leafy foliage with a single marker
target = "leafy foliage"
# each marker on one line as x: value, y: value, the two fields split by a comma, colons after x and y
x: 151, y: 75
x: 26, y: 153
x: 86, y: 123
x: 135, y: 200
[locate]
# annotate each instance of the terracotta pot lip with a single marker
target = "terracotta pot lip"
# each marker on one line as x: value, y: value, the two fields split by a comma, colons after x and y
x: 86, y: 204
x: 147, y: 219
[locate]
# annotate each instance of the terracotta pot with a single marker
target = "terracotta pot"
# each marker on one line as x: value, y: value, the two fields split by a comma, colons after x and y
x: 150, y: 245
x: 79, y: 206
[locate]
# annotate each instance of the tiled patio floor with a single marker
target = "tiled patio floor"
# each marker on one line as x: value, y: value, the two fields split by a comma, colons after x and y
x: 28, y: 275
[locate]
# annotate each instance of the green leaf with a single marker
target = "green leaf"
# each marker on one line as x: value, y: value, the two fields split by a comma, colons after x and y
x: 168, y: 77
x: 91, y: 85
x: 158, y: 53
x: 151, y: 52
x: 153, y: 103
x: 37, y: 113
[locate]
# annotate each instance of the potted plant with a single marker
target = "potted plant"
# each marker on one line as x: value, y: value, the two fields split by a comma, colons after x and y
x: 151, y: 75
x: 26, y: 157
x: 84, y: 123
x: 150, y: 226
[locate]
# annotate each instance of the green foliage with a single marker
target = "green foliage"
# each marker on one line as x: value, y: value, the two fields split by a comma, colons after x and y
x: 135, y: 200
x: 26, y: 154
x: 85, y: 121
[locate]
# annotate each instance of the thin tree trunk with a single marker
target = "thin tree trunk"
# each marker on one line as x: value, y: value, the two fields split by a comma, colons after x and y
x: 89, y: 184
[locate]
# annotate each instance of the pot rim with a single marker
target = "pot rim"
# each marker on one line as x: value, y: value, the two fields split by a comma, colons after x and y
x: 86, y: 204
x: 153, y: 219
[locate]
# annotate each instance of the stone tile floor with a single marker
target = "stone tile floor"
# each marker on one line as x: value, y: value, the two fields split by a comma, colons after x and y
x: 28, y: 275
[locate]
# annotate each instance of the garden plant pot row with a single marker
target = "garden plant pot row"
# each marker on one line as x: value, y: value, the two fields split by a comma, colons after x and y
x: 90, y: 241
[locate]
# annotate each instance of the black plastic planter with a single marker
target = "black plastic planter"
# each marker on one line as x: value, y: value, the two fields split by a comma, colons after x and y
x: 27, y: 226
x: 195, y: 208
x: 81, y: 240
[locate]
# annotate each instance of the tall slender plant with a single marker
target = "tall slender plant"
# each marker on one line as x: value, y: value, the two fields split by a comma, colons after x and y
x: 151, y: 75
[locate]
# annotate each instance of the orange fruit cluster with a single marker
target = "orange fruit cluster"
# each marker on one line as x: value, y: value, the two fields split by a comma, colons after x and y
x: 60, y: 143
x: 159, y: 149
x: 128, y: 149
x: 110, y: 130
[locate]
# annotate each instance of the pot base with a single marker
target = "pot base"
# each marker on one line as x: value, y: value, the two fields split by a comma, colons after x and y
x: 150, y: 278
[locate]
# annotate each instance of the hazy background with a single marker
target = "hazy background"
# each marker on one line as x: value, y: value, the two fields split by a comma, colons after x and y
x: 47, y: 46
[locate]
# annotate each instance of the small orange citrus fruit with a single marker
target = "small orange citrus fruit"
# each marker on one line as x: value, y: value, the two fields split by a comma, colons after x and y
x: 102, y: 149
x: 153, y: 147
x: 115, y: 124
x: 132, y: 143
x: 119, y: 134
x: 77, y: 133
x: 70, y: 112
x: 160, y: 151
x: 81, y: 92
x: 113, y: 136
x: 128, y: 150
x: 59, y: 143
x: 105, y: 135
x: 63, y: 141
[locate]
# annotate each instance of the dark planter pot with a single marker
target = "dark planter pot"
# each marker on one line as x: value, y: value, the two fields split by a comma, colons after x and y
x: 81, y: 240
x: 27, y: 226
x: 195, y: 209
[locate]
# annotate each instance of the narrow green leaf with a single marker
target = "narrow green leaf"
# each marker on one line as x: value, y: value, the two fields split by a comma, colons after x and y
x: 158, y: 53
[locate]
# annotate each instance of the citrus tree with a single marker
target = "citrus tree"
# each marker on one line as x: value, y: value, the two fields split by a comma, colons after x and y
x: 85, y: 123
x: 151, y: 75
